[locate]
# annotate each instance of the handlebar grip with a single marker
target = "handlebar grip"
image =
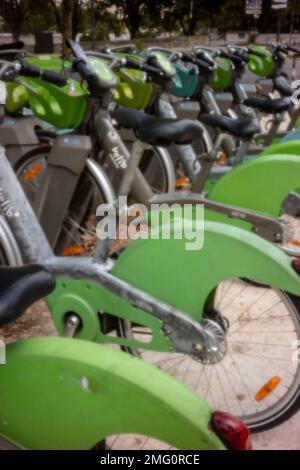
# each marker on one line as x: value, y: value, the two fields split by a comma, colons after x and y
x: 204, y: 64
x: 282, y: 48
x: 23, y: 289
x: 85, y: 71
x: 235, y: 58
x: 54, y: 78
x: 294, y: 50
x: 224, y: 54
x: 202, y: 56
x: 186, y: 57
x: 260, y: 54
x: 193, y: 60
x: 155, y: 72
x: 134, y: 64
x: 28, y: 70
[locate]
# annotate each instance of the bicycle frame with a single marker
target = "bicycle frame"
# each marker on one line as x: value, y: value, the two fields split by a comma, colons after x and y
x: 261, y: 224
x: 35, y: 248
x: 176, y: 328
x: 59, y: 368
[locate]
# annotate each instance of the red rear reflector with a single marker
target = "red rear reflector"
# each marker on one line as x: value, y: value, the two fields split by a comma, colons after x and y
x: 232, y: 431
x: 296, y: 265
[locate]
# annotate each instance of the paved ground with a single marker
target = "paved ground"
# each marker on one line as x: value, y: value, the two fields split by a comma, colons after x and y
x: 284, y: 437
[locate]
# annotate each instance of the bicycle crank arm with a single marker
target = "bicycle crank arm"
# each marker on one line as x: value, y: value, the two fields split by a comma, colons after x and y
x: 187, y: 335
x: 263, y: 225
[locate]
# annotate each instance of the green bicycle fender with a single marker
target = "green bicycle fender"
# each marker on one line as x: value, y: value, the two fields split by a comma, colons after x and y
x: 180, y: 277
x: 290, y: 147
x: 260, y: 185
x: 59, y: 393
x: 297, y: 123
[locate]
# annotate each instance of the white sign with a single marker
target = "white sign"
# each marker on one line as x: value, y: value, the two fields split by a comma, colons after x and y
x: 279, y: 4
x: 253, y: 7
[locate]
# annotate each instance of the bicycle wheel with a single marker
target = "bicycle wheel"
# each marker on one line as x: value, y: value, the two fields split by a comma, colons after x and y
x: 256, y: 378
x: 29, y: 170
x: 79, y: 227
x: 157, y: 168
x: 78, y: 232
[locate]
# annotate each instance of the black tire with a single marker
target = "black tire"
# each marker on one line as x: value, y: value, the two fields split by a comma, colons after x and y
x: 40, y: 151
x: 73, y: 227
x: 294, y: 404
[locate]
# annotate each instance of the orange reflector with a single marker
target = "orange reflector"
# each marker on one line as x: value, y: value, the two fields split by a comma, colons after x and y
x: 223, y: 157
x: 268, y: 388
x: 295, y: 242
x: 182, y: 183
x: 72, y: 250
x: 32, y: 172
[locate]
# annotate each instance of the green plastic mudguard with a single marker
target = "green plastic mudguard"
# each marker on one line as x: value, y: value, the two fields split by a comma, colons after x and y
x: 175, y: 275
x: 290, y: 147
x: 59, y: 393
x: 261, y: 184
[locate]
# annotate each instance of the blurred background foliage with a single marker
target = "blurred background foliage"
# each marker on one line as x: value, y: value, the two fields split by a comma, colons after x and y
x: 101, y: 19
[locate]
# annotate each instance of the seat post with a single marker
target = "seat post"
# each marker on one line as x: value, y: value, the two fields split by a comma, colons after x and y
x: 273, y: 132
x: 207, y: 162
x: 242, y: 150
x: 129, y: 174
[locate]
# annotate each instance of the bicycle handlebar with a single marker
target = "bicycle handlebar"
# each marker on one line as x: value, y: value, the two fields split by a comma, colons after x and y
x: 81, y: 64
x: 83, y: 68
x: 203, y: 64
x: 293, y: 50
x: 28, y: 70
x: 150, y: 69
x: 260, y: 54
x: 10, y: 71
x: 285, y: 49
x: 202, y: 55
x: 234, y: 57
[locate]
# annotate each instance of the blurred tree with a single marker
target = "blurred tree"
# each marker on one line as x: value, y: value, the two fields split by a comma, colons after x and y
x: 132, y: 11
x: 100, y: 16
x: 36, y: 20
x: 64, y: 12
x: 14, y: 14
x: 140, y: 17
x: 189, y: 15
x: 232, y: 16
x: 108, y: 20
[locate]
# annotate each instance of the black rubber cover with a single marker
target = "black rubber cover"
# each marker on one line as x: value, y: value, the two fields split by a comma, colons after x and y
x: 28, y: 70
x: 20, y: 288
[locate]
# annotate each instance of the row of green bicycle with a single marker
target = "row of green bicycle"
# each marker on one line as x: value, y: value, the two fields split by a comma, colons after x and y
x: 224, y: 320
